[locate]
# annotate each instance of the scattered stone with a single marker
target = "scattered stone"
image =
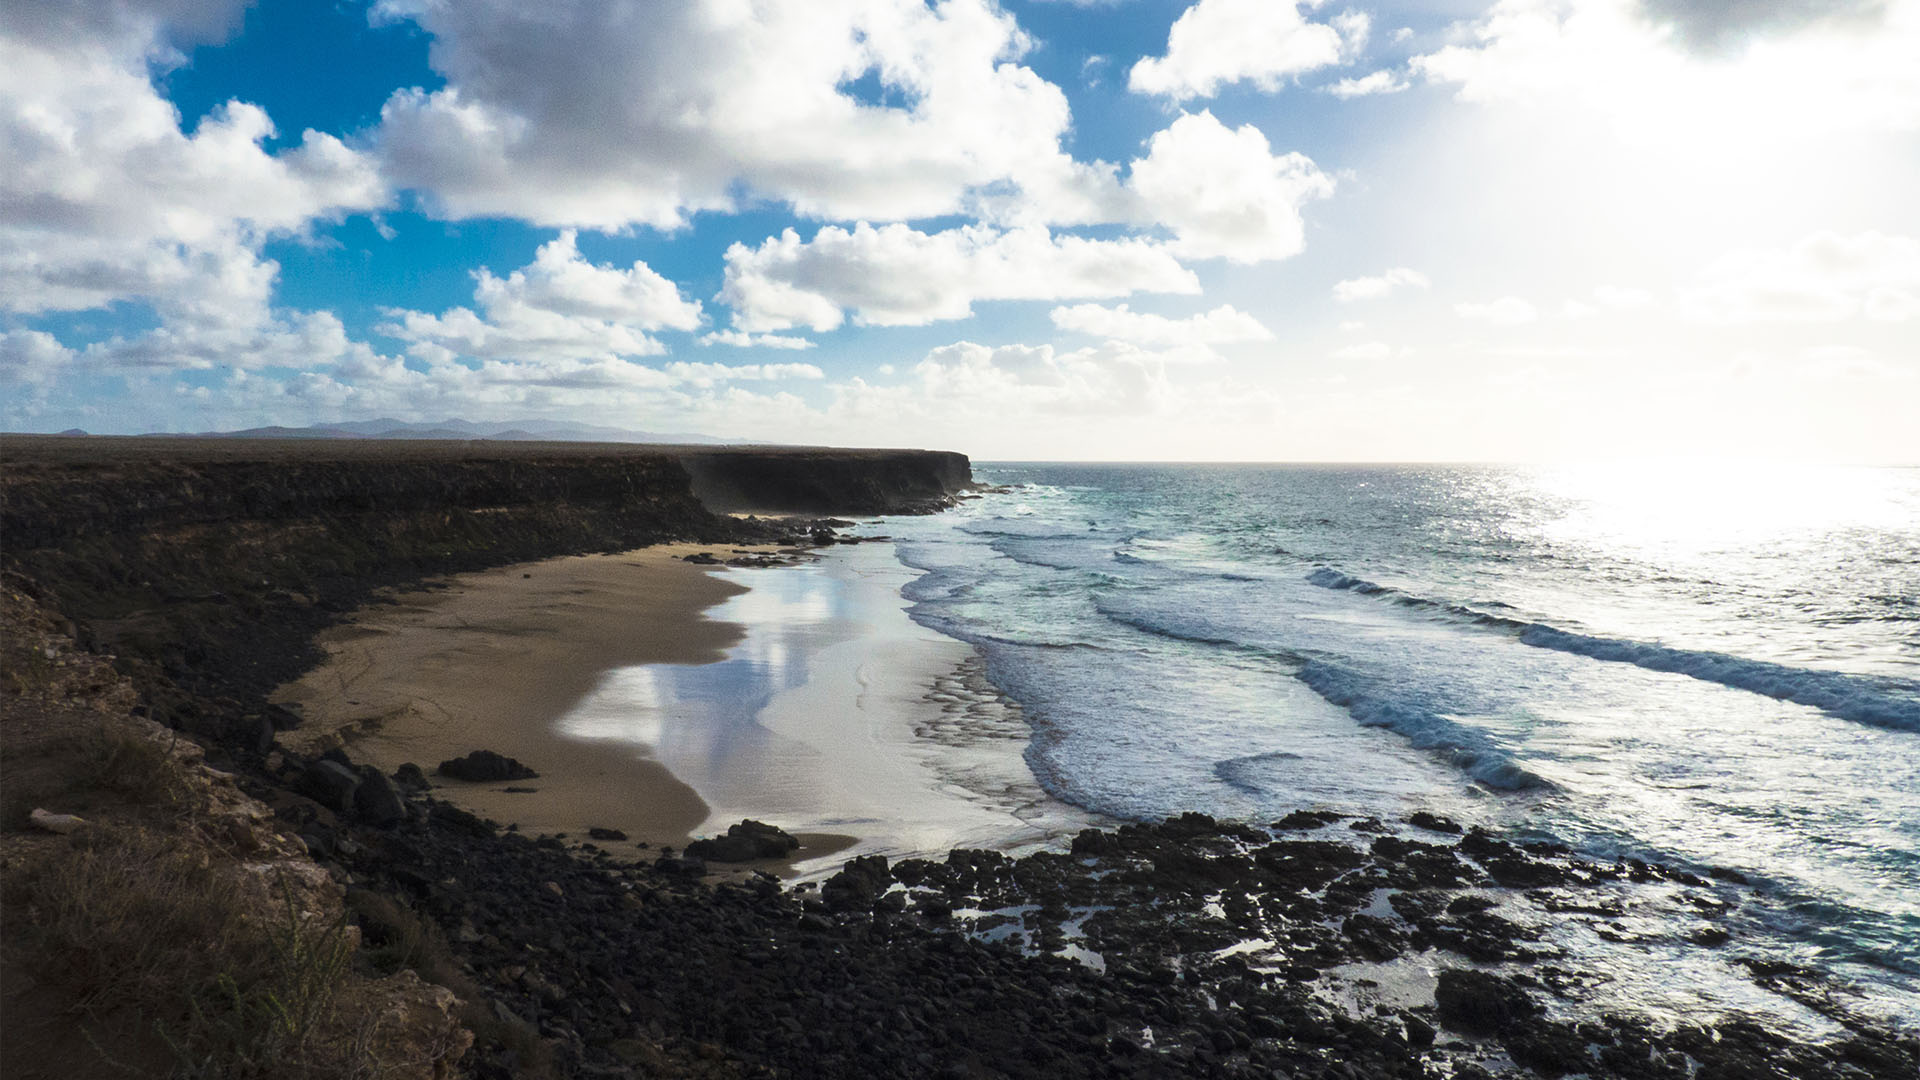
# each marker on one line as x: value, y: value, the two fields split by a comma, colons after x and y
x: 1420, y: 819
x: 745, y: 842
x: 1480, y: 1003
x: 702, y: 558
x: 56, y: 823
x: 485, y: 766
x: 330, y: 783
x: 376, y: 801
x: 1710, y: 937
x: 1419, y: 1032
x: 1307, y: 820
x: 856, y: 887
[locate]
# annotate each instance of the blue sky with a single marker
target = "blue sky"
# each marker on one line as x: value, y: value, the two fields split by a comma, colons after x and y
x: 1162, y: 229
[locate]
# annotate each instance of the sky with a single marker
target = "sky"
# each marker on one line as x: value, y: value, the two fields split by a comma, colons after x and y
x: 1252, y: 230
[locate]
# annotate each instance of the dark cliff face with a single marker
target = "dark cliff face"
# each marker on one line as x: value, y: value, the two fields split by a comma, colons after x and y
x: 209, y: 564
x: 827, y: 481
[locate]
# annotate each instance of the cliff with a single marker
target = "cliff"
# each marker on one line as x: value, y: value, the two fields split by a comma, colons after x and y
x: 206, y: 565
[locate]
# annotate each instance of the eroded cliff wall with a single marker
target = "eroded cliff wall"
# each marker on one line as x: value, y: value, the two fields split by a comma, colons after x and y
x: 207, y: 565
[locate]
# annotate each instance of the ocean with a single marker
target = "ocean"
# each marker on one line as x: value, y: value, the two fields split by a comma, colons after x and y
x: 1712, y: 667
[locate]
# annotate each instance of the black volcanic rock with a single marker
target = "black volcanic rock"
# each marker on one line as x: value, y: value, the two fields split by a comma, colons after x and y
x: 330, y: 784
x: 485, y: 766
x: 745, y: 842
x: 376, y: 801
x: 1481, y: 1003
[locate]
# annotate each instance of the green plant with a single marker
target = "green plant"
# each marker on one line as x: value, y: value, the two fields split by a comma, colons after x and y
x: 122, y: 760
x: 276, y: 1018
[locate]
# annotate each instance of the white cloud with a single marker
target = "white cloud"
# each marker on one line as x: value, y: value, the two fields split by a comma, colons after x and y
x: 558, y: 309
x: 1110, y: 379
x: 1216, y: 42
x: 1506, y: 311
x: 896, y: 275
x: 1369, y: 350
x: 609, y: 115
x: 1607, y: 56
x: 108, y: 199
x: 1378, y: 82
x: 1373, y: 288
x: 740, y: 340
x: 705, y: 375
x: 1223, y: 192
x: 31, y: 357
x: 1826, y: 277
x: 1223, y: 325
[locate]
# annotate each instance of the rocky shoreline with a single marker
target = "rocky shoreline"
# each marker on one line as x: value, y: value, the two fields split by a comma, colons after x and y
x: 1124, y: 956
x: 1183, y: 948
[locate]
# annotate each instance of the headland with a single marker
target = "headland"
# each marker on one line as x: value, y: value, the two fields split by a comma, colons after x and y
x: 169, y: 587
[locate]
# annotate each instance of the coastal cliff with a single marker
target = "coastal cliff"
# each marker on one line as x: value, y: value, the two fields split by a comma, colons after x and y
x: 433, y: 942
x: 208, y: 564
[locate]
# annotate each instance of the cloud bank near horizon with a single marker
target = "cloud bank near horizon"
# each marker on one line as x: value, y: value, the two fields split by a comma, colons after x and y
x: 978, y: 230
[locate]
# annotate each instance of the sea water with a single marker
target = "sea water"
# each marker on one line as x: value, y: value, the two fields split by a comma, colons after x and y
x: 1712, y: 667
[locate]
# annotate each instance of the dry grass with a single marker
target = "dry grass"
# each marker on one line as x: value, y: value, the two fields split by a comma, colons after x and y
x: 140, y: 925
x: 396, y: 937
x: 118, y: 759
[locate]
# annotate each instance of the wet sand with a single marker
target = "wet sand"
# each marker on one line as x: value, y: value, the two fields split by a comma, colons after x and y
x: 493, y: 659
x: 669, y: 700
x: 837, y: 713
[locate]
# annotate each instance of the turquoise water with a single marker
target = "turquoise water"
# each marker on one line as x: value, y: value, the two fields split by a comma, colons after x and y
x: 1710, y: 667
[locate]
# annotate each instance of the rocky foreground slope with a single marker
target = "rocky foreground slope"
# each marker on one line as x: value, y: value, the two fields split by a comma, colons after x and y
x: 205, y: 572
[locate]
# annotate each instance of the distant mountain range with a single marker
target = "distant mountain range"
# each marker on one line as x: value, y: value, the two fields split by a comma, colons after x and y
x: 501, y: 431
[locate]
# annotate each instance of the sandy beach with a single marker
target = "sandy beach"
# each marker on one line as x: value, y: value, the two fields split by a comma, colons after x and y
x: 491, y: 659
x: 669, y: 700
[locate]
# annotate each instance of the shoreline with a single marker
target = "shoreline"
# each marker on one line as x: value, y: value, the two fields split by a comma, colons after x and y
x: 667, y: 703
x: 491, y: 660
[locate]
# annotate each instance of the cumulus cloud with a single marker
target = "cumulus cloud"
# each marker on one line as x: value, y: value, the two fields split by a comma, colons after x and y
x: 1378, y: 82
x: 557, y: 309
x: 106, y: 198
x: 31, y: 357
x: 1715, y: 25
x: 605, y: 115
x: 1506, y: 311
x: 1223, y: 192
x: 1223, y: 325
x: 1373, y: 288
x: 705, y: 375
x: 1826, y: 277
x: 1217, y: 42
x: 1851, y: 72
x: 1114, y: 378
x: 740, y: 340
x: 896, y: 275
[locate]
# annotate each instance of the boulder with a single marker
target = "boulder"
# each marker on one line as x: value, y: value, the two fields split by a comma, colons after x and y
x: 1480, y: 1003
x: 691, y: 867
x: 744, y: 842
x: 1420, y: 819
x: 56, y: 823
x: 856, y: 887
x: 485, y: 766
x: 376, y: 801
x: 598, y: 833
x: 411, y: 777
x: 330, y: 784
